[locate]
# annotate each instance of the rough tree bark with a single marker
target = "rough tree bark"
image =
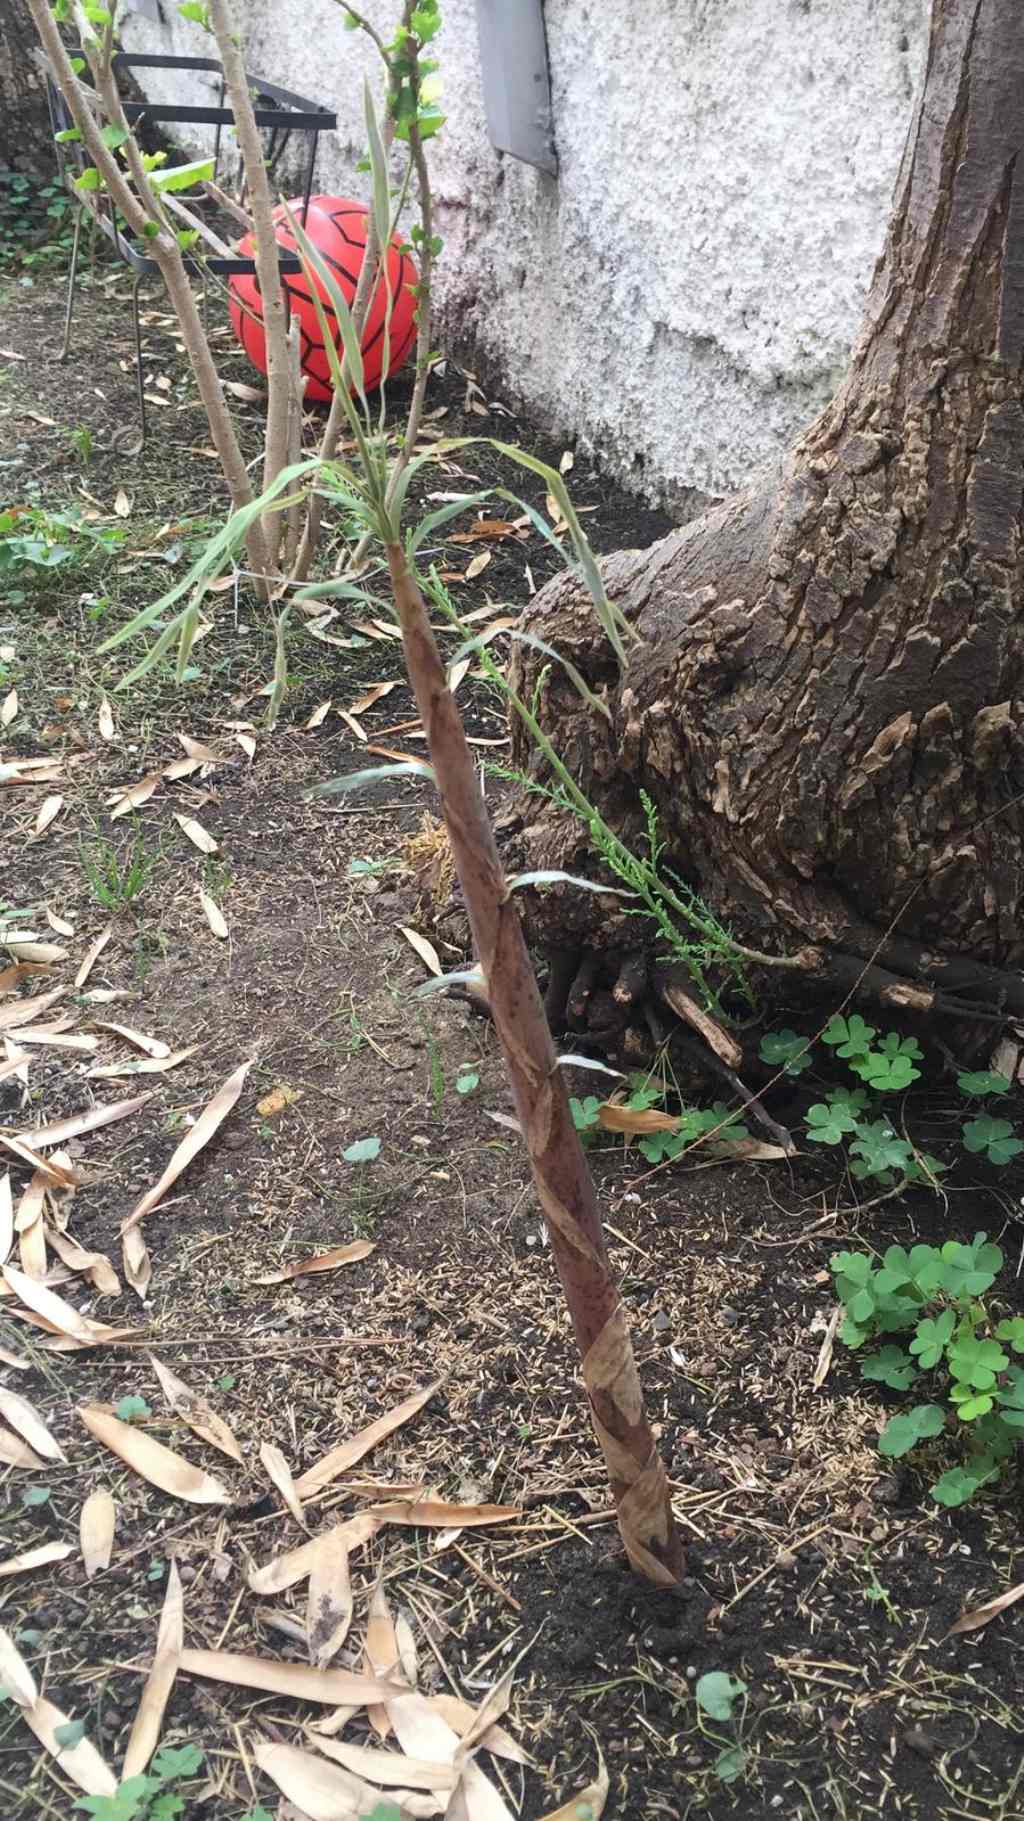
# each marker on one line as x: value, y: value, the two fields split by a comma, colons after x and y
x: 26, y: 141
x: 825, y: 702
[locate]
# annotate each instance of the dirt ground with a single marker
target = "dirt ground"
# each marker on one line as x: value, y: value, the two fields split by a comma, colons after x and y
x: 824, y: 1579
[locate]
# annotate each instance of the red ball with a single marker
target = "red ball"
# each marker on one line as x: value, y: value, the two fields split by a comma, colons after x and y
x: 337, y: 227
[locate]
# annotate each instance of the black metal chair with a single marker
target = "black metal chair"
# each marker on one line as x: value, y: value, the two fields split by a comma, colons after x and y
x: 278, y: 111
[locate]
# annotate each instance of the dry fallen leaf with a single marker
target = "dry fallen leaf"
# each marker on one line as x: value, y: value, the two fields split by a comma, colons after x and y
x: 39, y: 1557
x: 135, y: 797
x: 247, y: 743
x: 45, y: 1302
x: 145, y: 1733
x: 170, y: 1472
x: 391, y: 1769
x: 329, y: 1686
x: 22, y: 1417
x: 96, y: 1266
x: 16, y: 1453
x: 89, y: 1121
x: 440, y: 1514
x: 6, y: 1217
x: 96, y: 1527
x: 81, y: 1762
x: 460, y: 1715
x: 28, y: 1224
x: 9, y: 708
x: 59, y: 924
x: 213, y: 914
x: 12, y: 977
x: 425, y: 950
x: 324, y: 1261
x: 329, y: 1603
x: 420, y: 1729
x: 210, y: 1120
x: 91, y: 956
x: 477, y: 1799
x: 320, y: 1791
x: 380, y: 1652
x: 105, y: 720
x: 478, y: 565
x: 973, y: 1621
x: 15, y: 1674
x: 151, y: 1046
x: 122, y: 504
x: 296, y: 1565
x: 196, y: 833
x: 138, y: 1266
x: 143, y: 1065
x: 824, y: 1360
x: 49, y: 809
x: 27, y: 1011
x: 375, y: 693
x: 280, y: 1474
x: 348, y: 1453
x: 194, y: 1410
x: 318, y: 716
x: 27, y: 949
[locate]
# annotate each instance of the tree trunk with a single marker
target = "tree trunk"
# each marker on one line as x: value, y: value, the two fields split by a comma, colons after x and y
x: 825, y: 700
x: 26, y: 140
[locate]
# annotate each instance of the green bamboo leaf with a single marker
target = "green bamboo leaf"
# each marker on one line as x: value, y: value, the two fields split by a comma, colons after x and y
x: 186, y: 638
x: 207, y: 564
x: 553, y: 876
x: 537, y: 644
x: 280, y: 668
x: 439, y: 983
x: 379, y: 170
x: 154, y: 654
x: 613, y: 622
x: 435, y: 520
x: 354, y: 780
x: 182, y: 176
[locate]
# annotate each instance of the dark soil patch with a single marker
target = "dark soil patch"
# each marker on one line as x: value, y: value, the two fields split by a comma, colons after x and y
x: 821, y: 1577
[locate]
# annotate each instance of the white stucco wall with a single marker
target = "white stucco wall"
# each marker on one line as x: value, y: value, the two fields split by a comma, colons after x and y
x: 681, y: 298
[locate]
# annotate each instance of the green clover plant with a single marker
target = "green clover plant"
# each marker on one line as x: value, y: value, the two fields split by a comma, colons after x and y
x: 934, y: 1294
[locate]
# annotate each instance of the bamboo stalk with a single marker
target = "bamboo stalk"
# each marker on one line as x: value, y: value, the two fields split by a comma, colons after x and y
x: 560, y: 1170
x: 268, y: 272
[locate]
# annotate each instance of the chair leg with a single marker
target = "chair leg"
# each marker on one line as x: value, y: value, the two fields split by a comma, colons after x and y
x: 140, y: 379
x: 69, y: 306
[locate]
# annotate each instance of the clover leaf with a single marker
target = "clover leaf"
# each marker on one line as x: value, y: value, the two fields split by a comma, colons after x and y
x: 976, y: 1362
x: 993, y: 1136
x: 970, y: 1270
x: 886, y: 1074
x: 979, y: 1082
x: 786, y: 1050
x: 903, y: 1432
x: 890, y: 1367
x: 828, y: 1124
x: 929, y: 1343
x: 876, y: 1150
x: 958, y: 1485
x: 1012, y: 1331
x: 848, y: 1036
x: 585, y: 1112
